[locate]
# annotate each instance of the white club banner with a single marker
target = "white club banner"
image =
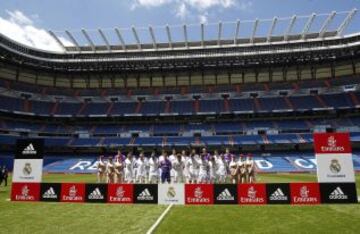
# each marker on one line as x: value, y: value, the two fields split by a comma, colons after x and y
x: 334, y: 157
x: 171, y: 194
x: 28, y: 170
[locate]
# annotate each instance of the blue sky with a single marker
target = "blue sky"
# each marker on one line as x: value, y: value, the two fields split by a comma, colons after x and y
x: 25, y: 20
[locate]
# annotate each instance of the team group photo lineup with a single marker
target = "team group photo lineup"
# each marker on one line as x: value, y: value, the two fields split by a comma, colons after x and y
x: 177, y: 167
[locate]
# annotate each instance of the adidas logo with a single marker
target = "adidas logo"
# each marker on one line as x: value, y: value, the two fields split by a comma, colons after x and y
x: 278, y: 195
x: 96, y: 195
x: 50, y: 194
x: 29, y: 150
x: 225, y: 196
x: 338, y: 194
x: 145, y: 195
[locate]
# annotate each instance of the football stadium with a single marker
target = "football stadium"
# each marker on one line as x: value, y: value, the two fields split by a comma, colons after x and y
x: 239, y: 126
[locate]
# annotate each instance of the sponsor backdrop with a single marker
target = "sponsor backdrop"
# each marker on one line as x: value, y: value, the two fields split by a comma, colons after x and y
x: 334, y: 157
x: 171, y: 193
x: 25, y: 192
x: 50, y: 192
x: 203, y: 194
x: 120, y: 193
x: 96, y: 193
x: 28, y: 163
x: 338, y: 192
x: 278, y: 193
x: 199, y: 194
x: 254, y: 194
x: 146, y: 193
x: 305, y: 193
x: 72, y: 192
x: 225, y: 194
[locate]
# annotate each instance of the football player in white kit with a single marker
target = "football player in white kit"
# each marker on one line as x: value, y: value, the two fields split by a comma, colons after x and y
x: 216, y: 155
x: 172, y: 158
x: 185, y: 157
x: 110, y: 171
x: 129, y: 168
x: 178, y: 165
x: 221, y: 169
x: 233, y: 169
x: 212, y: 170
x: 250, y: 169
x: 192, y: 169
x: 203, y: 170
x: 101, y: 169
x: 141, y: 170
x: 153, y: 169
x: 119, y: 170
x: 241, y: 170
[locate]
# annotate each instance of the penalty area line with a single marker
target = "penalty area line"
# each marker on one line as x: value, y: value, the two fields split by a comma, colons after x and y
x: 158, y: 221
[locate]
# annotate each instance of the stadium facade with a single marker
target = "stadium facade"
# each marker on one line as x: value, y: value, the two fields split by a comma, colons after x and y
x: 256, y: 94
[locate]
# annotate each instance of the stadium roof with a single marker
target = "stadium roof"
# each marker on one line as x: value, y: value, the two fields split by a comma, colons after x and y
x: 213, y: 35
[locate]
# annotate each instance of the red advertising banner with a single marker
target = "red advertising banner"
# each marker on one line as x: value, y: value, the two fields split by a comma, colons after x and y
x: 332, y: 143
x: 197, y: 194
x: 25, y: 191
x: 120, y: 193
x: 305, y: 193
x: 72, y: 192
x: 252, y: 194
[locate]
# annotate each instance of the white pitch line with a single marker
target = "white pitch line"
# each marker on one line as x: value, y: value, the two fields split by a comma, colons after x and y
x: 153, y: 227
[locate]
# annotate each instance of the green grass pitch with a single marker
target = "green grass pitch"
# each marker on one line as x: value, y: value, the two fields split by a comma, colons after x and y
x: 23, y: 218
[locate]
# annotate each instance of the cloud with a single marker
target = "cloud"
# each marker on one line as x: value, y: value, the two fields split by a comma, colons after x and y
x: 149, y: 3
x: 197, y: 9
x: 22, y: 29
x: 182, y: 11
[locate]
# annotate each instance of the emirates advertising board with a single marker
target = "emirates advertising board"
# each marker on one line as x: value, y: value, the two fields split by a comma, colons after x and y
x: 334, y: 157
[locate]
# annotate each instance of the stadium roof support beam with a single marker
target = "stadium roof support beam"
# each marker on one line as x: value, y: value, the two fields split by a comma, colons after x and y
x: 237, y: 30
x: 136, y: 37
x: 273, y: 24
x: 152, y: 37
x: 326, y: 23
x: 346, y: 22
x: 168, y: 32
x: 186, y: 36
x: 202, y: 35
x: 308, y: 25
x: 121, y: 39
x: 256, y: 23
x: 289, y: 29
x: 86, y: 35
x: 104, y: 39
x: 219, y: 33
x: 52, y: 34
x: 72, y: 39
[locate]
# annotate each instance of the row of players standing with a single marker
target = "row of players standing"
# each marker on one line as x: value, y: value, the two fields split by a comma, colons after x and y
x: 177, y: 168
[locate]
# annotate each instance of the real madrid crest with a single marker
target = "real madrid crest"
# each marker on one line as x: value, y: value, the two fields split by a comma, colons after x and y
x: 335, y: 166
x: 27, y: 169
x: 171, y: 192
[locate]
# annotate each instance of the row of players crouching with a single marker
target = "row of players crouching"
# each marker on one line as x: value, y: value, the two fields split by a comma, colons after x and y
x: 177, y: 168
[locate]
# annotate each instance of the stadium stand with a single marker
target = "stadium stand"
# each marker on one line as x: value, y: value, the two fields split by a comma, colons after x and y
x: 269, y: 103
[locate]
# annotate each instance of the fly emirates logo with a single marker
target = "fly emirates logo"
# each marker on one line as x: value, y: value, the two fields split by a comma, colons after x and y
x: 72, y: 195
x: 198, y: 197
x: 251, y: 196
x: 332, y: 146
x: 304, y: 196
